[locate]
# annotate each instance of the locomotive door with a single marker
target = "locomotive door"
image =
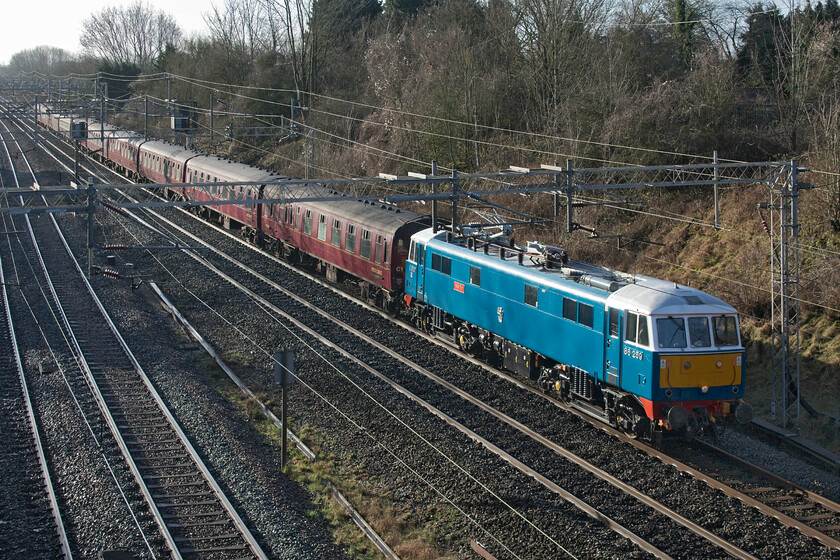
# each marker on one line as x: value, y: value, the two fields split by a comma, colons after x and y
x: 612, y: 351
x: 421, y: 272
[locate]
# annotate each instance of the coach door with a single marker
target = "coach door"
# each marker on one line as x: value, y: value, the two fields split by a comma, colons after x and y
x: 612, y: 364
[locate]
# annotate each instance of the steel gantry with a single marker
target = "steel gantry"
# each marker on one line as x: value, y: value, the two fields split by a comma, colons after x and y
x: 783, y: 231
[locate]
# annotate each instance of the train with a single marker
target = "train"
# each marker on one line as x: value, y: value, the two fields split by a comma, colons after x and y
x: 650, y: 357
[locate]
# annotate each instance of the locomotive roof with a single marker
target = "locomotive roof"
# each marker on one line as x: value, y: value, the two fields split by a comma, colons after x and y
x: 640, y: 293
x: 653, y: 296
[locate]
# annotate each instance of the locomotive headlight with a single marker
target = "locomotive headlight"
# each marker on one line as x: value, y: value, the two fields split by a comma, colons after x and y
x: 687, y: 365
x: 704, y: 388
x: 719, y: 364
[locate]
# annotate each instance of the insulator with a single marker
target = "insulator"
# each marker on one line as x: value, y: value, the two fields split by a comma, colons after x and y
x: 110, y: 272
x: 114, y: 247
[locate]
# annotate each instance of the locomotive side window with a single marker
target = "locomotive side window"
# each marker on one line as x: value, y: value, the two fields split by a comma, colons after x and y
x: 307, y: 222
x: 671, y: 332
x: 441, y: 264
x: 698, y: 331
x: 726, y: 331
x: 586, y: 315
x: 350, y: 238
x: 531, y: 294
x: 364, y: 245
x: 475, y: 276
x: 336, y: 233
x: 613, y: 322
x: 644, y: 336
x: 637, y: 329
x: 632, y: 322
x: 412, y: 252
x: 322, y: 227
x: 569, y: 309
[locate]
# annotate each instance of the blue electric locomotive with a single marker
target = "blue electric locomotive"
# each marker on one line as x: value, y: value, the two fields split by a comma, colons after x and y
x: 646, y: 354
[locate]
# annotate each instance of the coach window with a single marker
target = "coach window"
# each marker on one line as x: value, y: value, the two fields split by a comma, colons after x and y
x: 387, y: 256
x: 307, y: 222
x: 336, y: 233
x: 475, y: 276
x: 350, y: 238
x: 322, y: 227
x: 364, y: 246
x: 569, y: 309
x: 586, y: 315
x: 531, y: 294
x: 379, y: 249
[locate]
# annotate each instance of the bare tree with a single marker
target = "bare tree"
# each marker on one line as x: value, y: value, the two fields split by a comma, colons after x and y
x: 47, y: 60
x: 136, y: 34
x: 291, y: 20
x: 240, y: 25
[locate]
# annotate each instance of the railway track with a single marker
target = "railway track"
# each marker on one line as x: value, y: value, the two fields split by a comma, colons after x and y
x: 814, y: 515
x: 509, y: 458
x: 32, y: 522
x: 192, y: 512
x: 275, y: 306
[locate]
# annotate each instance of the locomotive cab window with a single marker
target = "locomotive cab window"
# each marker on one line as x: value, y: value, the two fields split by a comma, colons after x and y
x: 698, y: 332
x: 725, y: 329
x: 531, y: 295
x: 671, y: 332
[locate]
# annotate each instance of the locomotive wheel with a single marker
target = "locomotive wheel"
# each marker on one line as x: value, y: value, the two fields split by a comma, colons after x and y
x: 630, y: 417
